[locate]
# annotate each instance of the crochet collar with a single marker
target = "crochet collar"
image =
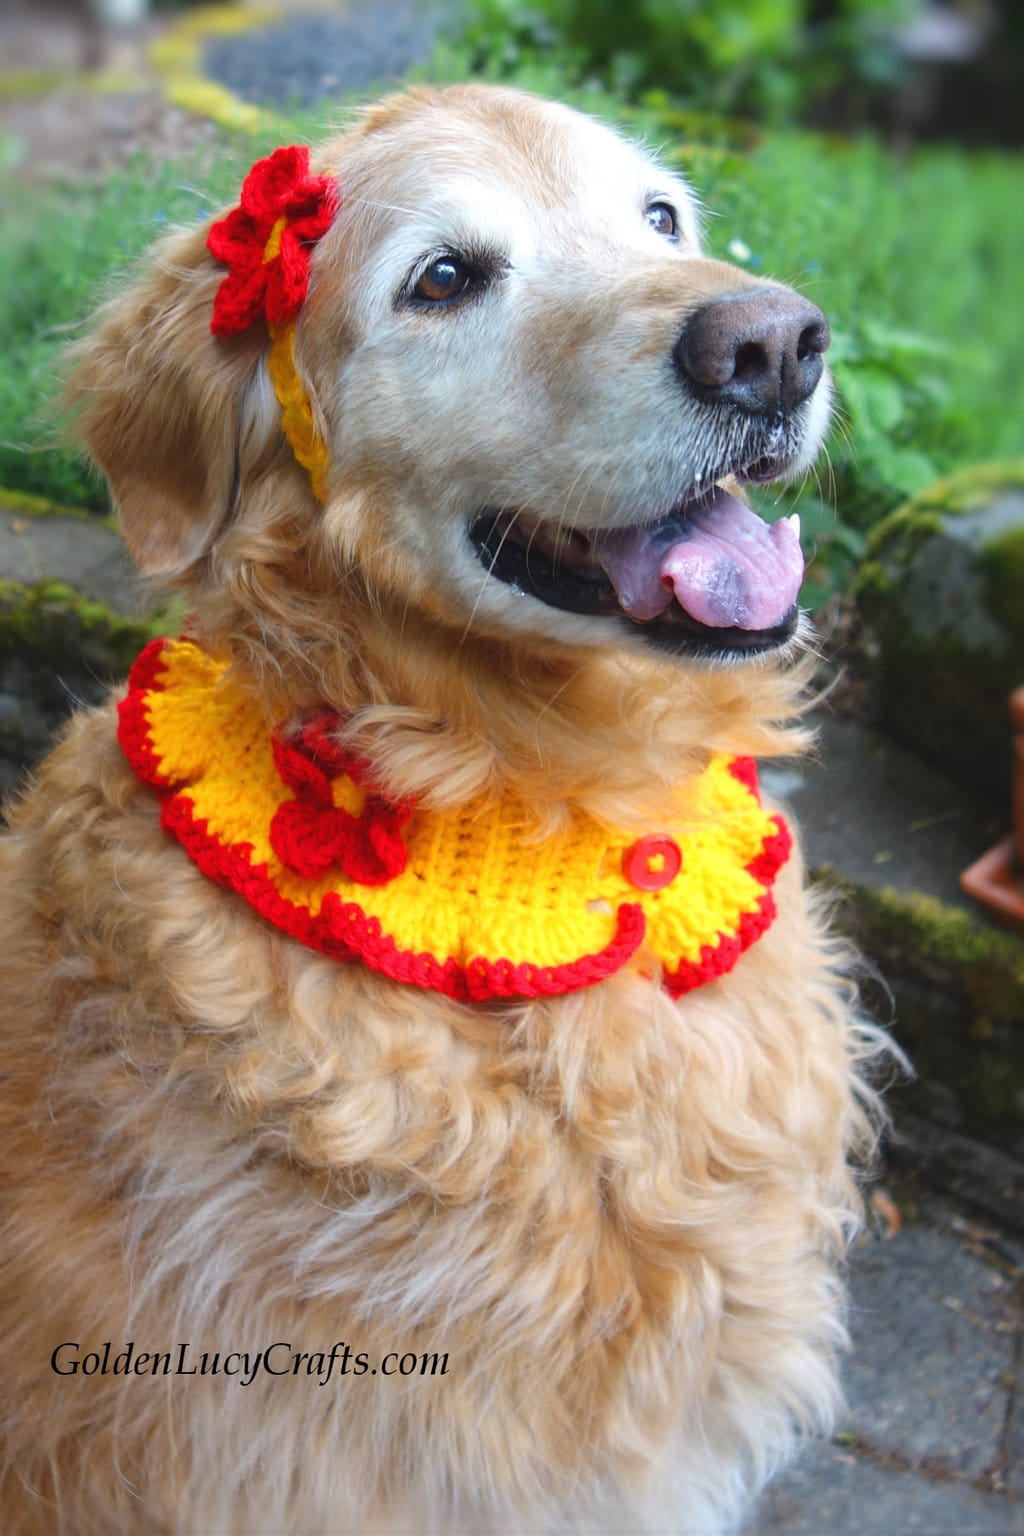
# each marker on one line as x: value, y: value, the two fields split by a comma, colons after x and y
x: 464, y: 901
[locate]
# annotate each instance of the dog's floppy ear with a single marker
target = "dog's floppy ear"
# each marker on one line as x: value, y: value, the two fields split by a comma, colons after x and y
x: 165, y: 408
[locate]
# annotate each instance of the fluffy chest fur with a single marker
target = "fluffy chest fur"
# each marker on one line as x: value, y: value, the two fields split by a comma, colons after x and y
x: 604, y: 1196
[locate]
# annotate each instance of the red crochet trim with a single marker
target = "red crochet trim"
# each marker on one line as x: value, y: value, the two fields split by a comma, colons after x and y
x: 744, y: 771
x: 343, y: 931
x: 279, y: 187
x: 716, y: 960
x: 144, y: 676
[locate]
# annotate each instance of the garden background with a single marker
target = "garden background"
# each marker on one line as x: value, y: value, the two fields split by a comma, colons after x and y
x: 871, y: 152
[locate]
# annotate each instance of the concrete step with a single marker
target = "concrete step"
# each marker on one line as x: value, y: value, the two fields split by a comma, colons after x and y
x: 889, y: 835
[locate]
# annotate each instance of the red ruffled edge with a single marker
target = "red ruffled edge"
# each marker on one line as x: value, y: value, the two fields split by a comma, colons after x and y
x: 717, y: 959
x: 341, y: 929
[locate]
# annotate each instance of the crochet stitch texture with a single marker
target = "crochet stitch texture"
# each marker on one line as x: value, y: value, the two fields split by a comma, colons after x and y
x: 464, y: 901
x: 266, y: 242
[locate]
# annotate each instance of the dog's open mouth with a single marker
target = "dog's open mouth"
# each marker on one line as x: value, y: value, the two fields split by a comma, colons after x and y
x: 710, y: 577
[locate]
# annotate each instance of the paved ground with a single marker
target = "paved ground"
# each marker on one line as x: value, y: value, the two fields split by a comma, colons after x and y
x: 310, y: 58
x: 933, y: 1439
x: 916, y: 829
x: 102, y: 106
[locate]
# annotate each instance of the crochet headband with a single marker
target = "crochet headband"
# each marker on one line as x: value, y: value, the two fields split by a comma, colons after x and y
x: 266, y: 242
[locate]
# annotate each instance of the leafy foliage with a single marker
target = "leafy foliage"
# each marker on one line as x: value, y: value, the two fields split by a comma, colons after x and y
x: 771, y: 58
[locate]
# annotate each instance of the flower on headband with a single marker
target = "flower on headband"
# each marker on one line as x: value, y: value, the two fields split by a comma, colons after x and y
x: 266, y: 241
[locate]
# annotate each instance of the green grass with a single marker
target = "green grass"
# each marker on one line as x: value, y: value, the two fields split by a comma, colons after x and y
x: 64, y: 250
x: 915, y: 258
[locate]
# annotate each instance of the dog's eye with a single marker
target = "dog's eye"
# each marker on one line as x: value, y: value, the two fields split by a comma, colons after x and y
x: 445, y: 279
x: 662, y: 220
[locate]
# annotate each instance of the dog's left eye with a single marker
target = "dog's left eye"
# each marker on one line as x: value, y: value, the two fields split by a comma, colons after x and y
x: 445, y: 280
x: 662, y: 220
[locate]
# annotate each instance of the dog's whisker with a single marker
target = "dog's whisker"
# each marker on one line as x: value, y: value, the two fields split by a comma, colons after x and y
x: 361, y: 201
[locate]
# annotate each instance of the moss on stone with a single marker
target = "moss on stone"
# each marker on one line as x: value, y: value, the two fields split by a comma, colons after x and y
x: 1003, y: 559
x: 19, y: 85
x: 942, y: 591
x: 956, y: 985
x: 906, y: 528
x: 49, y: 624
x: 968, y: 490
x: 58, y: 649
x: 996, y: 1090
x: 903, y: 531
x: 989, y: 962
x: 873, y: 585
x: 21, y: 504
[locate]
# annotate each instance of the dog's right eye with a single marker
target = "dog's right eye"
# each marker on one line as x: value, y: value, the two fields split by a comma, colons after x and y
x: 662, y: 219
x: 445, y: 280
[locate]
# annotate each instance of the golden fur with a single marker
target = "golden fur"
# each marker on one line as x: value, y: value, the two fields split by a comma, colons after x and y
x: 619, y: 1216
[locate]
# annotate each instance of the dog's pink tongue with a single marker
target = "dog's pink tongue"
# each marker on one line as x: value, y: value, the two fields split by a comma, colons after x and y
x: 722, y: 564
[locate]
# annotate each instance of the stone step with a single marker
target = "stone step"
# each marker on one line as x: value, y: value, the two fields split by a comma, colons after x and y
x: 73, y: 614
x: 889, y: 834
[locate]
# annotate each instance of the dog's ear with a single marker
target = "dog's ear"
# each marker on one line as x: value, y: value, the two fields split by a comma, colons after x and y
x: 167, y: 410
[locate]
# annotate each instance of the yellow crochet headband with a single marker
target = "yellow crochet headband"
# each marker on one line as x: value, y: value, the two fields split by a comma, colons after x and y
x: 266, y: 243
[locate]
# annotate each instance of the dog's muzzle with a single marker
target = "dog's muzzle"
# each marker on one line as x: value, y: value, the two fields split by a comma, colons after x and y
x: 706, y: 576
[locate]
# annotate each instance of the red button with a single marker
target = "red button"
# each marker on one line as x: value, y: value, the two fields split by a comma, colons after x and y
x: 652, y: 863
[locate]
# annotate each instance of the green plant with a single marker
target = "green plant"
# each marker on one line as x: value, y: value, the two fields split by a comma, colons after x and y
x: 65, y: 248
x: 888, y: 379
x: 768, y: 57
x: 912, y: 257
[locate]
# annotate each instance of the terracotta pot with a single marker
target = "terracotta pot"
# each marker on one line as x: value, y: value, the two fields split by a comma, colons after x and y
x: 997, y: 879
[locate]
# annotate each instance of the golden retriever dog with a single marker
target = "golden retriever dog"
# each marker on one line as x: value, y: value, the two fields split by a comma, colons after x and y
x: 475, y: 1154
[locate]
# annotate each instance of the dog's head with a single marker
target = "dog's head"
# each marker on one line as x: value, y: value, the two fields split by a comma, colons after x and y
x: 531, y: 396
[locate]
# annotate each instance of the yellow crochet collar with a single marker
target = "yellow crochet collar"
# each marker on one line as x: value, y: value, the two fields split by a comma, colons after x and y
x: 465, y: 901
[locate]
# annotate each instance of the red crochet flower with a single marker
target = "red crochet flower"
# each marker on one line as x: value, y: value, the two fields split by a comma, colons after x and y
x: 278, y: 191
x: 310, y: 833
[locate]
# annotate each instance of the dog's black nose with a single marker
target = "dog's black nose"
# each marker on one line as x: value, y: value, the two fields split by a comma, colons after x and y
x: 759, y: 350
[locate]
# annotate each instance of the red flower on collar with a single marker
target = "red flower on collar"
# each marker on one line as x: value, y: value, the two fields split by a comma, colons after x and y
x: 311, y: 835
x: 266, y: 241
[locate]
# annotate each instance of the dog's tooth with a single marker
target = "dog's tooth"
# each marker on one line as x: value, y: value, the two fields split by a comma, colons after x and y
x: 794, y: 522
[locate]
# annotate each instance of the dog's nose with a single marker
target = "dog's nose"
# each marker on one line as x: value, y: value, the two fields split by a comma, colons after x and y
x: 758, y: 350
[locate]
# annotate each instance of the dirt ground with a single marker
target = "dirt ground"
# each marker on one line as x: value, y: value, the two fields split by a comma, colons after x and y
x: 75, y: 102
